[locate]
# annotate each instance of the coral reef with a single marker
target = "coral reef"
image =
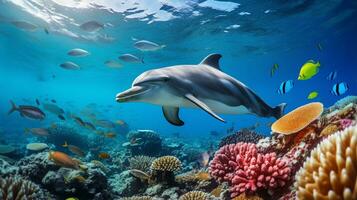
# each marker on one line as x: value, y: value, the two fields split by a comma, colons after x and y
x: 246, y: 166
x: 246, y: 170
x: 330, y: 171
x: 246, y: 136
x: 142, y: 163
x: 12, y: 188
x: 144, y: 142
x: 60, y: 133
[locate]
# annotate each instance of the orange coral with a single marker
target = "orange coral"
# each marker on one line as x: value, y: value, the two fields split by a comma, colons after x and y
x: 298, y: 119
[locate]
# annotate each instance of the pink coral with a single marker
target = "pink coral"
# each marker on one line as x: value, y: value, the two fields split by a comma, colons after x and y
x: 246, y: 170
x: 345, y: 123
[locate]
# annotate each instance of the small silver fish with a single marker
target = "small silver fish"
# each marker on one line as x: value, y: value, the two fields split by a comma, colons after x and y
x: 112, y: 64
x: 70, y: 65
x: 78, y: 52
x: 130, y: 58
x: 144, y: 45
x: 24, y: 25
x: 91, y: 26
x: 53, y: 108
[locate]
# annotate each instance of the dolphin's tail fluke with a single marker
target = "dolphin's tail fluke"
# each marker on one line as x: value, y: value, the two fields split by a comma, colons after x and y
x: 278, y: 111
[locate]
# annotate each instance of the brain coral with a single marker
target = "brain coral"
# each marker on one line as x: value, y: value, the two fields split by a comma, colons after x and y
x: 166, y: 163
x: 246, y: 170
x: 331, y: 170
x: 17, y: 188
x: 194, y: 195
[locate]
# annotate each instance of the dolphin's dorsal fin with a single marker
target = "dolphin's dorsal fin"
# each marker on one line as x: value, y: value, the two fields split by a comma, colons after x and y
x: 172, y: 115
x: 203, y: 106
x: 212, y: 60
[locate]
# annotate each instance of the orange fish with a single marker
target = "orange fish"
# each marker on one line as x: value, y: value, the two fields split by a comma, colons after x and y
x: 62, y: 159
x: 103, y: 155
x: 74, y: 149
x: 110, y: 135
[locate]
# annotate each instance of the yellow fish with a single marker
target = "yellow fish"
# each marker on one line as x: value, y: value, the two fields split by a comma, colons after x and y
x: 72, y: 198
x: 313, y: 95
x: 308, y: 70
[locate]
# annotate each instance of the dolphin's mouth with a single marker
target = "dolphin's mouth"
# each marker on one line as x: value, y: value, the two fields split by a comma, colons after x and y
x: 131, y: 94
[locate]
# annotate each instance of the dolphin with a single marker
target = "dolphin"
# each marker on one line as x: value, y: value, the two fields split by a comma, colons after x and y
x: 202, y: 86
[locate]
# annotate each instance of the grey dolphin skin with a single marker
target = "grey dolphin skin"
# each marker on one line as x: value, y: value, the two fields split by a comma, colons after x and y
x: 202, y: 86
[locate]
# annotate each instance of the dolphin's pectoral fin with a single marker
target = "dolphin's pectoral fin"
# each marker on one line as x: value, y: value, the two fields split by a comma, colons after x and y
x: 203, y: 106
x: 172, y: 115
x: 212, y: 60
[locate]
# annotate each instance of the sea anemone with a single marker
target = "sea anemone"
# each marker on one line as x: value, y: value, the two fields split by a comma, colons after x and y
x: 194, y: 195
x: 297, y: 119
x: 141, y: 163
x: 166, y: 163
x: 330, y: 172
x: 241, y: 136
x: 246, y: 170
x: 13, y: 188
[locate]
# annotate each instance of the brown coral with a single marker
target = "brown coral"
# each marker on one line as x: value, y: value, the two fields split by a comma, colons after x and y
x: 297, y: 119
x: 329, y: 129
x: 194, y: 195
x: 330, y: 172
x: 166, y: 163
x: 13, y: 188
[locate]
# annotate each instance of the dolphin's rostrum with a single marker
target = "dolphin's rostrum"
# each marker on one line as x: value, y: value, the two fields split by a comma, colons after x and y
x: 203, y: 86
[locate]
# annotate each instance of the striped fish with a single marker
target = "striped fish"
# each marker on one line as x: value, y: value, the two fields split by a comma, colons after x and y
x: 339, y: 88
x: 285, y: 86
x: 331, y: 76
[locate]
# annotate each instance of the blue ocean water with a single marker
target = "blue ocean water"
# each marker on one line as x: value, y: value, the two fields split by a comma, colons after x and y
x: 252, y: 36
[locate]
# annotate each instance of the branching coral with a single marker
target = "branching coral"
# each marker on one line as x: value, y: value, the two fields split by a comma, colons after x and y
x: 241, y: 136
x: 330, y: 172
x: 194, y: 195
x: 13, y: 188
x: 141, y: 163
x: 166, y: 163
x: 246, y: 170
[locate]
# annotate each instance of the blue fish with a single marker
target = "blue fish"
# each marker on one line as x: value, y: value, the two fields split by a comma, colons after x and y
x: 339, y: 88
x: 331, y: 76
x: 286, y: 86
